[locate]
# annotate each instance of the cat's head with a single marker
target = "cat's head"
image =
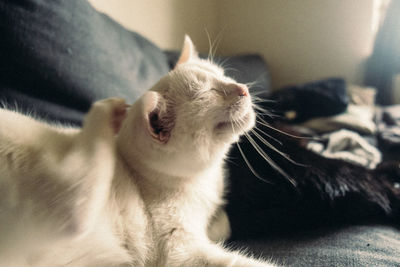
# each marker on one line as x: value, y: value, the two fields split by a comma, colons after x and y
x: 189, y: 118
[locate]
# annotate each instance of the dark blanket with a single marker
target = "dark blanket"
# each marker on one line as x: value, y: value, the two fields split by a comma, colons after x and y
x: 298, y: 103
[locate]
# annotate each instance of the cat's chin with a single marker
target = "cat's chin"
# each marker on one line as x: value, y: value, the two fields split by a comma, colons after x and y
x: 237, y: 126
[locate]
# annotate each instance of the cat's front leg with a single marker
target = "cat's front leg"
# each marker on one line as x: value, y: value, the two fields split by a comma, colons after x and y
x: 213, y: 255
x: 184, y: 249
x: 95, y: 148
x: 55, y: 183
x: 74, y: 186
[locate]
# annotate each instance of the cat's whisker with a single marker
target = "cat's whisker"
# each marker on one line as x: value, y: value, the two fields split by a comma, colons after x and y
x: 263, y: 122
x: 257, y: 84
x: 261, y: 99
x: 261, y: 111
x: 210, y: 47
x: 230, y: 160
x: 259, y: 114
x: 231, y: 69
x: 257, y: 102
x: 269, y: 160
x: 255, y: 106
x: 258, y: 93
x: 265, y: 142
x: 254, y: 86
x: 267, y: 135
x: 249, y: 165
x: 233, y: 125
x: 245, y: 158
x: 222, y: 63
x: 236, y: 122
x: 218, y: 40
x: 251, y: 84
x: 276, y: 150
x: 213, y: 46
x: 254, y: 100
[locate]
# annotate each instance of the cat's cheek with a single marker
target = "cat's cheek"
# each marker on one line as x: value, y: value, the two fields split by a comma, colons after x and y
x: 227, y: 137
x: 251, y: 121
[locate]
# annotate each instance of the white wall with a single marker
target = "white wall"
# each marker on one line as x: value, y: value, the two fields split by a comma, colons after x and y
x: 165, y: 21
x: 301, y: 40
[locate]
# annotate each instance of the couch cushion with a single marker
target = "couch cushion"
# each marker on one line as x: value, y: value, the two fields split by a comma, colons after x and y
x: 358, y: 245
x: 57, y: 57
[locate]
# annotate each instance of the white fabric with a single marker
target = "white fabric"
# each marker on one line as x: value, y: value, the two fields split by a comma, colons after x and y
x: 348, y: 146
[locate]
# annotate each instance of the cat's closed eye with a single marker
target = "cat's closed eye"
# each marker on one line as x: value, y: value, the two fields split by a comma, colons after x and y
x: 220, y: 92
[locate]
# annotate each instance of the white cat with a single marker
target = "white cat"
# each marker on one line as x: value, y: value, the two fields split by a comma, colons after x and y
x: 150, y: 196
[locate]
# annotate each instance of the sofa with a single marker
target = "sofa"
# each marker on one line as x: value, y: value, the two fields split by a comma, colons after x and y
x: 57, y: 57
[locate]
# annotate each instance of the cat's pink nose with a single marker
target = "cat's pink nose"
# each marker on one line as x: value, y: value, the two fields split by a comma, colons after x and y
x: 242, y: 90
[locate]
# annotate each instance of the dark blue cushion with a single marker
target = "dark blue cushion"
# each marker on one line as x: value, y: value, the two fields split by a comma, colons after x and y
x: 57, y: 57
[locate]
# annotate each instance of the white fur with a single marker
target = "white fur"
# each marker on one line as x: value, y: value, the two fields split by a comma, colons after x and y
x: 150, y: 197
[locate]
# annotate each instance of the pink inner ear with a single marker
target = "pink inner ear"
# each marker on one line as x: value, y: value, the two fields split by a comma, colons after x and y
x: 149, y: 105
x: 157, y: 127
x: 163, y: 137
x: 188, y: 51
x: 152, y: 128
x: 151, y: 117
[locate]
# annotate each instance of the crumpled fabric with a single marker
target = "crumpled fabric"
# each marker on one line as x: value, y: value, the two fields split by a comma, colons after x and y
x: 348, y: 146
x: 388, y: 122
x: 355, y: 118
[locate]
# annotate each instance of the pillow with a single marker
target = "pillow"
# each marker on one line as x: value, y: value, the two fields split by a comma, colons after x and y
x: 57, y: 57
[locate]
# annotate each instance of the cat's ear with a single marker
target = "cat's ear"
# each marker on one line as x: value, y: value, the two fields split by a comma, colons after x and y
x: 157, y: 120
x: 188, y: 51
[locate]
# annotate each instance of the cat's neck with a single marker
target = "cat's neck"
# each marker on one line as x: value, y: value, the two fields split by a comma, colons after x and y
x: 154, y: 184
x: 160, y: 193
x: 148, y: 175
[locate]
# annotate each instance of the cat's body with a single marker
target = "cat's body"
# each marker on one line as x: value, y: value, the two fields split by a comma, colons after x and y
x: 151, y: 196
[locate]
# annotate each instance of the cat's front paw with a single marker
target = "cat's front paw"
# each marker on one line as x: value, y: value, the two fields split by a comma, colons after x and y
x: 214, y: 255
x: 248, y: 262
x: 107, y: 114
x: 114, y: 111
